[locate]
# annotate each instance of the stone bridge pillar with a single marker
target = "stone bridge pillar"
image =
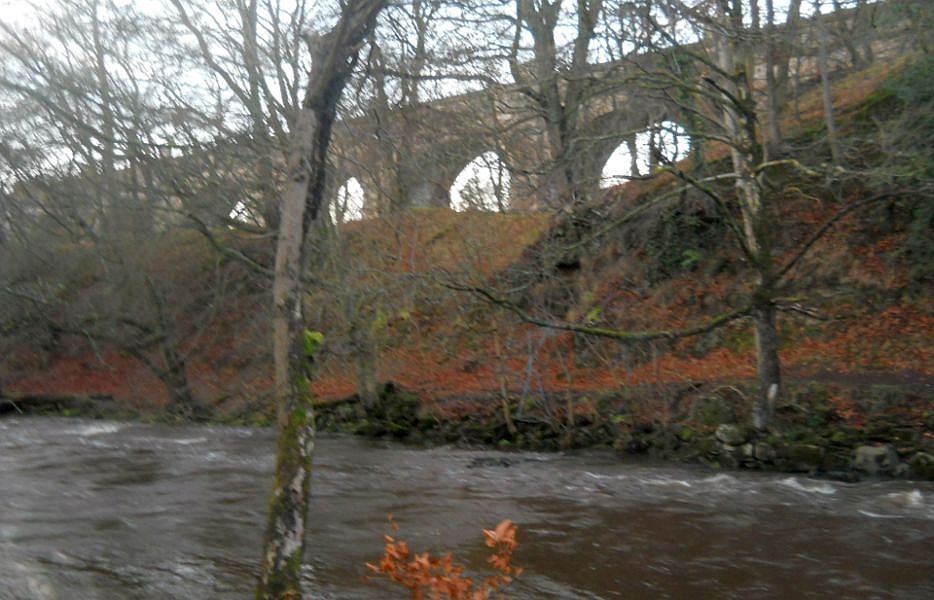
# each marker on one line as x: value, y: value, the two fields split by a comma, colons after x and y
x: 426, y: 187
x: 427, y: 178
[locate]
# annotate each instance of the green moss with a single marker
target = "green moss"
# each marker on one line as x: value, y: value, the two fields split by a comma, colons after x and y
x: 312, y: 341
x: 843, y: 437
x: 821, y: 416
x: 291, y: 461
x: 379, y: 323
x: 712, y: 410
x: 739, y: 341
x: 285, y: 583
x: 258, y: 419
x: 802, y: 457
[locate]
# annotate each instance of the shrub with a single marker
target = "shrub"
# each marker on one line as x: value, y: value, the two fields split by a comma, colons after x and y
x: 434, y: 578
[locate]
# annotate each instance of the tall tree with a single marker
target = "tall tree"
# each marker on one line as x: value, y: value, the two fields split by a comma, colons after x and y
x: 740, y: 126
x: 334, y: 56
x: 557, y: 88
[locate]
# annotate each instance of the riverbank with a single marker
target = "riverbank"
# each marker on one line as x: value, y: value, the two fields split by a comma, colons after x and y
x: 869, y: 427
x: 838, y: 431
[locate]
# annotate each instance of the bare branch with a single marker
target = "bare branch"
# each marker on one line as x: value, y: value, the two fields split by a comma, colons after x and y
x: 605, y: 332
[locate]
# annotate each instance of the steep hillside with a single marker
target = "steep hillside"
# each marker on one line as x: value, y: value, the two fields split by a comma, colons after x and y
x: 855, y: 333
x: 859, y: 304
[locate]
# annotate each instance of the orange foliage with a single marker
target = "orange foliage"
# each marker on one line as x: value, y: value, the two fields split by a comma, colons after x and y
x: 427, y: 238
x: 440, y: 577
x: 848, y: 93
x: 113, y: 374
x: 895, y: 339
x: 846, y: 409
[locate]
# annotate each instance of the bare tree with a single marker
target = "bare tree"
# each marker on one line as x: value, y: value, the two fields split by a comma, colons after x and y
x: 84, y: 161
x: 558, y: 98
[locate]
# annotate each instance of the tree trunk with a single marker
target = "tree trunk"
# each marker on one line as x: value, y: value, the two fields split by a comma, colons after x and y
x: 739, y: 121
x: 176, y: 379
x: 771, y: 85
x: 653, y: 151
x: 846, y: 32
x: 503, y: 388
x: 633, y: 156
x: 796, y: 88
x: 786, y: 47
x: 333, y: 59
x: 365, y: 359
x: 288, y: 503
x: 824, y: 68
x: 172, y: 371
x: 557, y: 93
x: 175, y: 374
x: 865, y: 21
x: 768, y: 364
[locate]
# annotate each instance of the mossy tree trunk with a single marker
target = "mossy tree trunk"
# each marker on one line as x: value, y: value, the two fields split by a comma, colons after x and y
x: 334, y: 56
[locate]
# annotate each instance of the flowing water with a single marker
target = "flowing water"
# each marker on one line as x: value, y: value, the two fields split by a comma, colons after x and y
x: 92, y: 509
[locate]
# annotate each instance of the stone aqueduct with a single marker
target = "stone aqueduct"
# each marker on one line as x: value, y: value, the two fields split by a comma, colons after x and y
x: 412, y: 156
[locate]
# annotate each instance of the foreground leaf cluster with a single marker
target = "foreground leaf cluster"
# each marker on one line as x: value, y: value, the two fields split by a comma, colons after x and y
x: 427, y: 576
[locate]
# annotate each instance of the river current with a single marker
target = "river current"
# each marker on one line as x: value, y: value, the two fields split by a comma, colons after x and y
x: 107, y: 510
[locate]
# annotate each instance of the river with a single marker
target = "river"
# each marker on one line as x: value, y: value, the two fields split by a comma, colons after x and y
x: 101, y: 510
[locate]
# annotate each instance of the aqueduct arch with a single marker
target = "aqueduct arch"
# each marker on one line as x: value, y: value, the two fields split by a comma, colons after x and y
x: 484, y: 184
x: 414, y: 163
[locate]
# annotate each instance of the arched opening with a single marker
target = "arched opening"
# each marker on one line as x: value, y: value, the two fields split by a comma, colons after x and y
x: 641, y: 154
x: 347, y: 205
x: 482, y: 185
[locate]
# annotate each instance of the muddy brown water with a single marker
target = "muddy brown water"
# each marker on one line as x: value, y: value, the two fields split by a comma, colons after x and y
x: 93, y: 509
